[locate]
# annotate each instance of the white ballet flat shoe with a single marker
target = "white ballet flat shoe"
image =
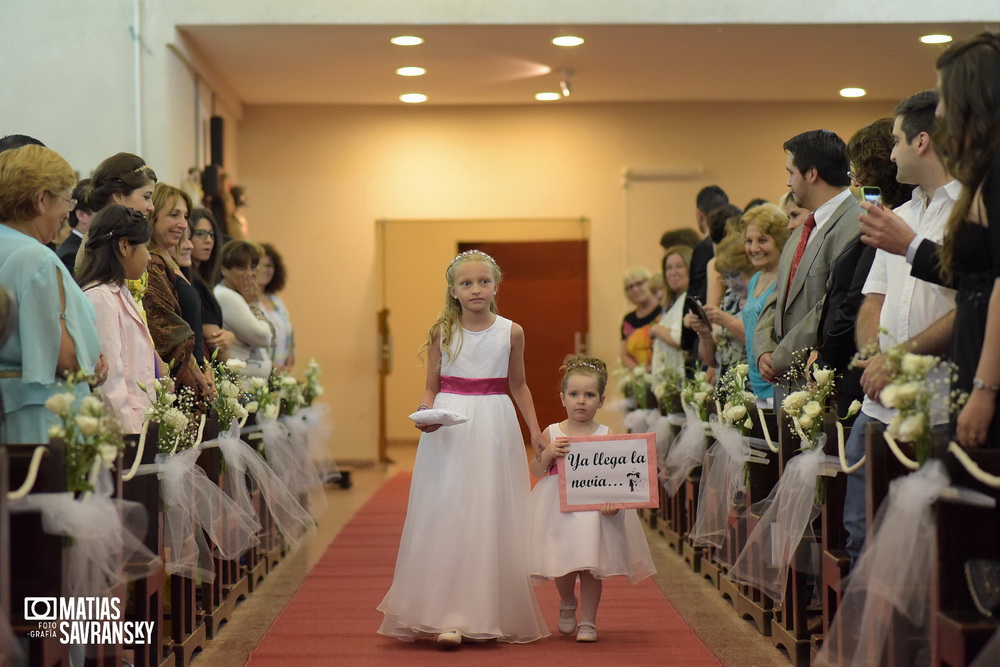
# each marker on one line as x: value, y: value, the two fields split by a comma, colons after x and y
x: 586, y: 632
x: 567, y: 625
x: 450, y: 638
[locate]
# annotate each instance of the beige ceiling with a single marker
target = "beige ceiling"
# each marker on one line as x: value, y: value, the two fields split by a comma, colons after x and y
x: 469, y: 65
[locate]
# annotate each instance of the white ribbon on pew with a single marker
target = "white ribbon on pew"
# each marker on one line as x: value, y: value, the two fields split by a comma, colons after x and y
x: 842, y: 452
x: 894, y: 448
x: 767, y: 435
x: 105, y: 533
x: 194, y: 505
x: 291, y: 519
x: 661, y: 429
x: 893, y: 574
x: 313, y: 424
x: 785, y: 516
x: 636, y: 421
x: 721, y: 480
x: 686, y: 452
x: 287, y: 452
x: 972, y: 467
x: 32, y: 476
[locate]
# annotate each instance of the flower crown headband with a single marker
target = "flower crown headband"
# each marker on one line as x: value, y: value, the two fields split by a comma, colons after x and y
x: 579, y: 364
x: 469, y: 253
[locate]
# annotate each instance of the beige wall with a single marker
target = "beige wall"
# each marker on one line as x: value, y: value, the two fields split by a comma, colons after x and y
x: 320, y: 178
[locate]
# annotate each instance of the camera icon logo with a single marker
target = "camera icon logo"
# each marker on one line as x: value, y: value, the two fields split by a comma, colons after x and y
x: 40, y: 609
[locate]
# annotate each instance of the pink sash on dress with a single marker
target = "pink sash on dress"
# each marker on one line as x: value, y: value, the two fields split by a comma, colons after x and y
x: 472, y: 386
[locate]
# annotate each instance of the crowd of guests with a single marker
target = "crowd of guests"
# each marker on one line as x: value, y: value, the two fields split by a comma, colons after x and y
x: 145, y: 285
x: 824, y: 277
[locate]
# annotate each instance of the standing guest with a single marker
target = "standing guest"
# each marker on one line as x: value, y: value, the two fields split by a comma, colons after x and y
x: 685, y: 236
x: 637, y: 346
x: 271, y: 277
x: 967, y: 135
x: 796, y: 214
x: 666, y: 332
x: 205, y: 237
x: 869, y: 155
x: 54, y: 333
x: 899, y: 309
x: 173, y: 336
x: 709, y: 198
x: 765, y: 231
x: 192, y: 186
x: 723, y: 339
x: 239, y: 297
x: 816, y: 163
x: 720, y: 222
x: 237, y: 223
x: 117, y: 251
x: 187, y: 295
x: 79, y: 222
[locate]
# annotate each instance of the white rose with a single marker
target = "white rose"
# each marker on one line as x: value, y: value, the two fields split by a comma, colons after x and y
x: 241, y: 412
x: 170, y: 398
x: 57, y: 431
x: 87, y: 425
x: 91, y: 405
x: 822, y: 376
x: 737, y: 412
x: 890, y: 396
x: 918, y: 364
x: 812, y: 408
x: 288, y: 380
x: 107, y: 452
x: 700, y: 396
x: 910, y: 391
x: 806, y: 421
x: 854, y: 407
x: 228, y: 389
x: 741, y: 370
x: 235, y: 364
x: 912, y: 427
x: 893, y: 427
x: 318, y: 390
x: 271, y: 411
x: 748, y: 423
x: 257, y: 383
x: 794, y: 401
x: 233, y: 403
x: 253, y: 406
x: 60, y: 403
x: 175, y: 420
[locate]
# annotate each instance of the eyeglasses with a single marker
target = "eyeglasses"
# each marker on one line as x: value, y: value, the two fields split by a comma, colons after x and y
x: 854, y: 177
x: 71, y: 202
x: 202, y: 233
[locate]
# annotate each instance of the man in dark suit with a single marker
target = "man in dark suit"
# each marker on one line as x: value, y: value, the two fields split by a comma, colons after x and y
x: 788, y: 327
x: 79, y: 220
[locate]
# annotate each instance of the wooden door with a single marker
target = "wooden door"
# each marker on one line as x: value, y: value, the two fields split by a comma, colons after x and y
x: 544, y: 289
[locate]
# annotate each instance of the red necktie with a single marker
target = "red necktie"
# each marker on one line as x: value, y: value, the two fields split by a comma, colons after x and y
x: 807, y: 227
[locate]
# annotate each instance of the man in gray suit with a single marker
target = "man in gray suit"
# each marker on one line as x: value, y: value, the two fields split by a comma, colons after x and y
x: 787, y: 330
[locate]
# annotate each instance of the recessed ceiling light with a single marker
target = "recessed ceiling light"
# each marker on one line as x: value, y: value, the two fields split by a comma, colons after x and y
x: 935, y: 39
x: 406, y: 40
x: 411, y: 71
x: 853, y: 92
x: 413, y: 98
x: 548, y: 97
x: 568, y: 40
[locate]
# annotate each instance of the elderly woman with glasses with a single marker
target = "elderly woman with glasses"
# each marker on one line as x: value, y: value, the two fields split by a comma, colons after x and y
x: 637, y: 345
x: 55, y: 330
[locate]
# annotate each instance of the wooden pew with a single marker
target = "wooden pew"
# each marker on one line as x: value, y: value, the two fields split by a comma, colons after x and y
x: 36, y: 562
x: 958, y: 630
x: 674, y: 525
x: 834, y: 560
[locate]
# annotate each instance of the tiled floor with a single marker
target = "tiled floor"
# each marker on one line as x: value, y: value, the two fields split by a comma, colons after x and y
x: 735, y: 642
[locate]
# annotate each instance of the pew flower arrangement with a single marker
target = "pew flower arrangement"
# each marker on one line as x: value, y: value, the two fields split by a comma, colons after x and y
x: 88, y: 431
x: 910, y: 391
x: 175, y: 413
x: 311, y: 388
x: 698, y: 393
x: 289, y: 390
x: 666, y: 387
x: 230, y: 392
x: 634, y: 384
x: 737, y: 402
x: 806, y: 407
x: 263, y: 401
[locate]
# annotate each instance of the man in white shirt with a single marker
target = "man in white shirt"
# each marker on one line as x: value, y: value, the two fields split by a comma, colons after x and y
x: 911, y: 313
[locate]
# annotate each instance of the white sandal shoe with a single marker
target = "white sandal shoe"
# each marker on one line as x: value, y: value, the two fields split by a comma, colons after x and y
x: 450, y: 638
x: 567, y: 625
x: 586, y: 632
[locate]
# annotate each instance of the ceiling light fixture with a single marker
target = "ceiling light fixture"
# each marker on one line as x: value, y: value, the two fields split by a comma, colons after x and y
x: 407, y: 40
x: 935, y: 39
x: 548, y: 97
x: 853, y: 92
x: 411, y: 71
x: 568, y: 40
x: 413, y: 98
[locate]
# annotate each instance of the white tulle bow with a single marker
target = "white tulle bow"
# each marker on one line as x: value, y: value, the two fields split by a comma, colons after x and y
x: 721, y: 480
x: 686, y: 451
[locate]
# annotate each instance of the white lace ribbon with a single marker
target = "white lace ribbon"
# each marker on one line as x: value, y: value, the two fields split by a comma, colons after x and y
x: 721, y: 480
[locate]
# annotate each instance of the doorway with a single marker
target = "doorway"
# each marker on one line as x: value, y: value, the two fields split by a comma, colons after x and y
x: 545, y: 290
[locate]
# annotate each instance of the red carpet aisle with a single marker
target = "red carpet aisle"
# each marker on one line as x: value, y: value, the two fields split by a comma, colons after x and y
x: 332, y: 619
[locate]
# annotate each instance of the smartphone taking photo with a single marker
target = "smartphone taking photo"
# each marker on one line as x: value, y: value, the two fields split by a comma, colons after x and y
x: 872, y: 195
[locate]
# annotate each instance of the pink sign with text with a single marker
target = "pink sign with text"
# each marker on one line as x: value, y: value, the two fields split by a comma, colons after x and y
x: 617, y: 469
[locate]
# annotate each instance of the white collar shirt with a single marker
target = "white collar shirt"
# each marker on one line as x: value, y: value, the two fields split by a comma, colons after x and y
x: 823, y: 214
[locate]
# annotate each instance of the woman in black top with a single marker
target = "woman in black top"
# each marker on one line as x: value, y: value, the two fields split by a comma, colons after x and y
x: 967, y: 137
x: 637, y: 345
x: 206, y: 238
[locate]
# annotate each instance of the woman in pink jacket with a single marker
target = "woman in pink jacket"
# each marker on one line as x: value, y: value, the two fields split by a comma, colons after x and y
x: 116, y: 251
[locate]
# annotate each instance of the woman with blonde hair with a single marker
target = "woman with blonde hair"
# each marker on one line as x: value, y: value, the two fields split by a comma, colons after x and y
x: 55, y: 329
x: 637, y: 346
x: 666, y: 333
